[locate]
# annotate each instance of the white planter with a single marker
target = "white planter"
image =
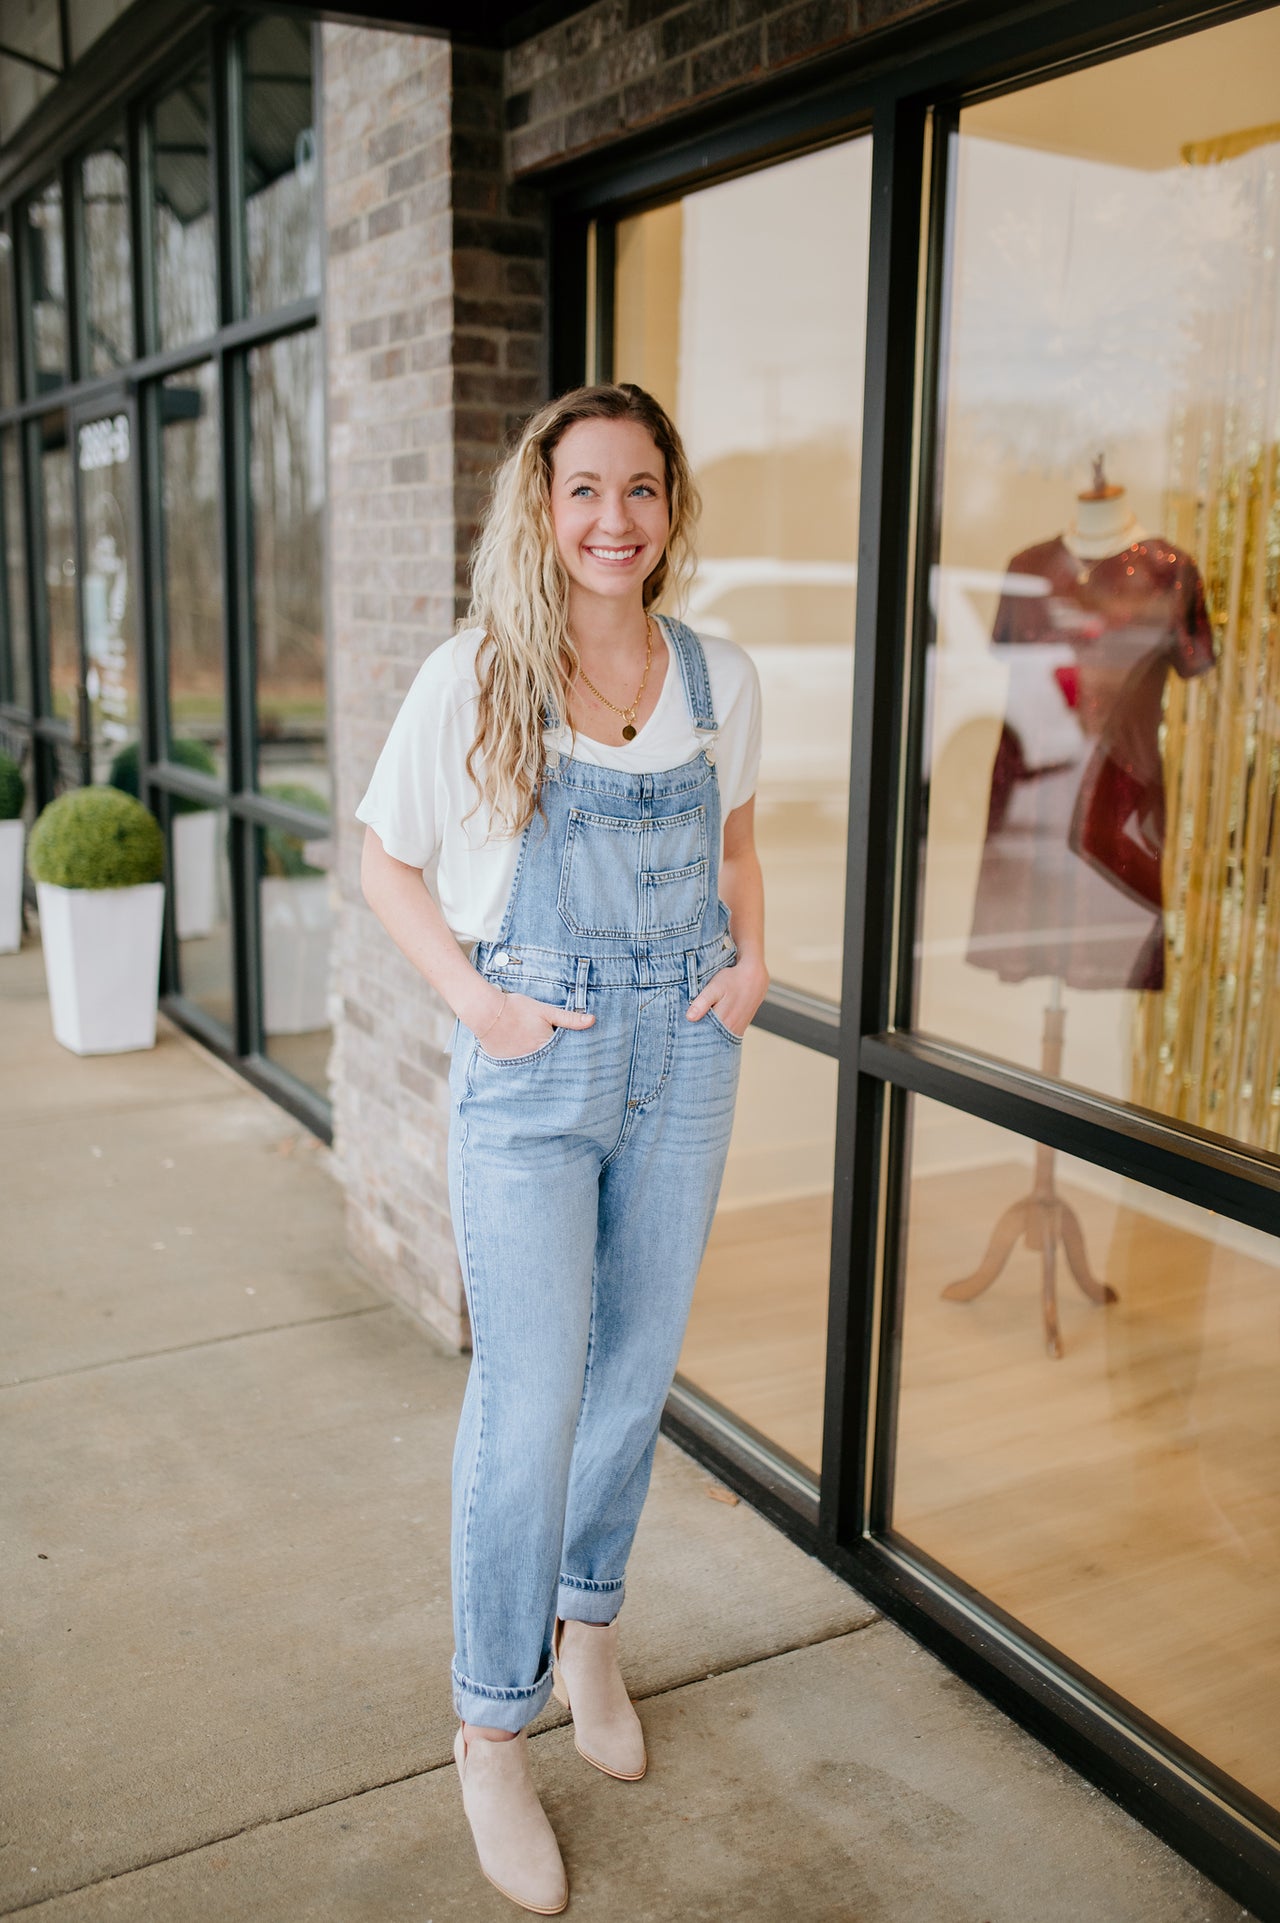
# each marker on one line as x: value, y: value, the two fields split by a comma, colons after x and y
x: 102, y: 964
x: 12, y: 842
x: 195, y: 872
x: 295, y: 953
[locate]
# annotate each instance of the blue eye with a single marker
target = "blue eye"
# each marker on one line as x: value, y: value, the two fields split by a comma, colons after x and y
x: 581, y: 488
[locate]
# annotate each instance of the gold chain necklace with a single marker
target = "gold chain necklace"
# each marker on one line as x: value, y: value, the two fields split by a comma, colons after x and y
x: 628, y: 714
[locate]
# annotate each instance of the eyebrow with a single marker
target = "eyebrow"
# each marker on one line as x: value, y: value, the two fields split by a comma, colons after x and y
x: 583, y: 475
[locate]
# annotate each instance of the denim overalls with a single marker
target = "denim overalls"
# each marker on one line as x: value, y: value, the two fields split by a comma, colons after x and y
x: 583, y: 1179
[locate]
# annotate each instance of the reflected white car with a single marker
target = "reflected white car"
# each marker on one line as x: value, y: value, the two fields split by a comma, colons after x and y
x: 808, y: 688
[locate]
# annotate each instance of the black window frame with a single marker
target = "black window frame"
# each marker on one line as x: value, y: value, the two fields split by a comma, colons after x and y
x: 909, y: 90
x: 54, y: 748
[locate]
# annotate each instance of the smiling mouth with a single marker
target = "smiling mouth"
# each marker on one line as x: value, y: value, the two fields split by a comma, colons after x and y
x: 614, y: 556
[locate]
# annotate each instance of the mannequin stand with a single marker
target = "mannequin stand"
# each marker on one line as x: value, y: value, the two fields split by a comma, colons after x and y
x: 1042, y: 1218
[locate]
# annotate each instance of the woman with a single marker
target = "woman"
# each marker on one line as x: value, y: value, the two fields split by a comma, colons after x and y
x: 583, y: 772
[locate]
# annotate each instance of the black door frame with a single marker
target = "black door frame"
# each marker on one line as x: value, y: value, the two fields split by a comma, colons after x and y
x: 909, y: 98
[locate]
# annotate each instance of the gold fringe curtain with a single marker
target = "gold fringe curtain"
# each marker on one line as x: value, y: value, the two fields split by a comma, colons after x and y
x: 1207, y: 1047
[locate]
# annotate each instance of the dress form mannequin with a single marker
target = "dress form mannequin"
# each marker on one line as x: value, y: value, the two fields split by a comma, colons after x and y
x: 1103, y: 525
x: 1042, y: 1218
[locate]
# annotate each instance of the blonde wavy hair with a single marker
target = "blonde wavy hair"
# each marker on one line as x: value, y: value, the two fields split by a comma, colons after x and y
x: 520, y: 592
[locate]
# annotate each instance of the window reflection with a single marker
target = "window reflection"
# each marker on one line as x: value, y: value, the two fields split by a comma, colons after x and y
x: 104, y: 454
x: 280, y: 169
x: 46, y: 287
x: 181, y: 214
x: 200, y: 870
x: 62, y: 647
x: 1103, y: 748
x: 104, y: 176
x: 742, y: 308
x: 1121, y: 1501
x: 287, y: 478
x: 756, y: 1339
x: 295, y: 916
x: 13, y: 613
x: 192, y: 561
x: 8, y: 344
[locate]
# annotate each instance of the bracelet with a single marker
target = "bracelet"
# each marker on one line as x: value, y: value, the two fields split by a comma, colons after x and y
x: 497, y: 1018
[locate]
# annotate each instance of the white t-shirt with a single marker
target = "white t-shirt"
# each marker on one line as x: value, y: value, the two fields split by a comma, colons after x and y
x: 420, y: 797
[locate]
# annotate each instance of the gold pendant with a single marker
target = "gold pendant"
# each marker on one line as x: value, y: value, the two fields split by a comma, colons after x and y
x: 629, y: 731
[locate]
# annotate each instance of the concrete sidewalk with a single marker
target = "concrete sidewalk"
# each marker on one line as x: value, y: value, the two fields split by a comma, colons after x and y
x: 226, y: 1611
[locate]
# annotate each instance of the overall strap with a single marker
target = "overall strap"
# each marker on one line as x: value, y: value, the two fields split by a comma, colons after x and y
x: 688, y: 651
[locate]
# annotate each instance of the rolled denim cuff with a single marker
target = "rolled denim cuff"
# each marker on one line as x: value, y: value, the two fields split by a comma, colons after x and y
x: 499, y: 1708
x: 588, y: 1602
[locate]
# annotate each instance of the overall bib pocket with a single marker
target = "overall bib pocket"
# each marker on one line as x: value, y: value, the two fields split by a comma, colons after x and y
x: 652, y: 882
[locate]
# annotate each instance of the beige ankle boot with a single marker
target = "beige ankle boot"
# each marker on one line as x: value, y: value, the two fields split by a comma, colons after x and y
x: 589, y: 1683
x: 515, y: 1843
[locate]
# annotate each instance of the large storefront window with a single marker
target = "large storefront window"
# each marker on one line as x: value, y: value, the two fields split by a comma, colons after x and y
x: 1085, y: 1387
x: 147, y: 488
x: 1121, y: 1503
x: 742, y: 307
x: 1104, y: 751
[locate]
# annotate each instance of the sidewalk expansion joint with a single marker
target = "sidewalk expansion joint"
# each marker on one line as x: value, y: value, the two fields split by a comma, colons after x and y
x: 208, y: 1342
x: 93, y: 1111
x: 753, y: 1662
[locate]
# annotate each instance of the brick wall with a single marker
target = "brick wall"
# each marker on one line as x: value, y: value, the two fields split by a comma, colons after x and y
x: 435, y: 320
x: 625, y: 64
x: 434, y: 306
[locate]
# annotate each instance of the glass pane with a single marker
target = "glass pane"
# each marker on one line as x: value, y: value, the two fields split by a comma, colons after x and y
x: 22, y: 88
x: 104, y: 452
x: 104, y: 177
x: 287, y: 479
x: 741, y: 307
x: 89, y: 19
x: 13, y: 612
x: 30, y: 27
x: 282, y: 228
x: 62, y: 647
x: 193, y: 565
x: 1120, y: 1501
x: 201, y: 897
x: 46, y: 285
x: 295, y: 908
x: 757, y: 1336
x: 1104, y: 733
x: 8, y: 345
x: 182, y: 235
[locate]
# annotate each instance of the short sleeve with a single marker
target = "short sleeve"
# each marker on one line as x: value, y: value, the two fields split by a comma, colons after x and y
x: 401, y: 802
x: 1193, y: 652
x: 736, y: 691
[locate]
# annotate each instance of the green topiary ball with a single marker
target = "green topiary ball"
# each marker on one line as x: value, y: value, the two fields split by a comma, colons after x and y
x: 96, y: 838
x: 282, y: 851
x: 13, y: 789
x: 187, y: 754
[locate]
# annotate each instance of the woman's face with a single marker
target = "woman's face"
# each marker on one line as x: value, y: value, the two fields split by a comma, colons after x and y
x: 609, y: 507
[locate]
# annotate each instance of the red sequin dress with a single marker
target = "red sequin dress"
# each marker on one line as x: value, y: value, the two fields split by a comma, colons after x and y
x: 1070, y: 882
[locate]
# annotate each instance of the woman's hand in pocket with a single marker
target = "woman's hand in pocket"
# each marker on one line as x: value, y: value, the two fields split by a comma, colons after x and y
x: 522, y: 1026
x: 735, y: 993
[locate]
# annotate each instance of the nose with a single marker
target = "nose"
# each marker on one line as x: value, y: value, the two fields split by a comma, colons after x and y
x: 615, y: 515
